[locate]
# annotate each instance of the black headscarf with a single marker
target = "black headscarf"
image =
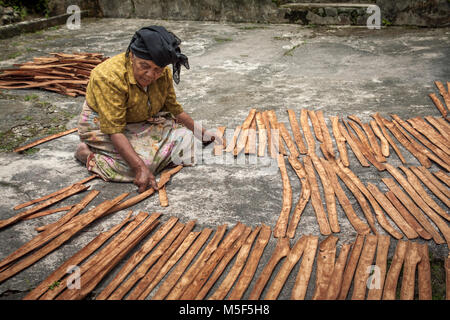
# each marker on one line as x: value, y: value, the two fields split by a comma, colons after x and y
x: 161, y: 46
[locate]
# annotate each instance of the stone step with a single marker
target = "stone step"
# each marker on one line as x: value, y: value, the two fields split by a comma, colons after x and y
x: 305, y: 6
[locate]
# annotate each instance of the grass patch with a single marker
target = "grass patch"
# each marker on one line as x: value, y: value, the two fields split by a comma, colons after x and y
x: 14, y: 55
x: 221, y: 40
x: 31, y: 97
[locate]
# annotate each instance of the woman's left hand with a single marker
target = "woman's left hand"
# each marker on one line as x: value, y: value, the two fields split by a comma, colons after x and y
x: 210, y: 136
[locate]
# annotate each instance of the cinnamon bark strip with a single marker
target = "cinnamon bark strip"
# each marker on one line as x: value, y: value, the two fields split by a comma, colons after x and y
x: 409, y: 232
x: 351, y: 266
x: 218, y: 148
x: 291, y: 260
x: 384, y: 144
x: 329, y: 191
x: 72, y: 229
x: 296, y: 131
x: 40, y: 141
x: 406, y: 215
x: 439, y: 127
x: 163, y: 199
x: 306, y: 266
x: 376, y: 289
x: 412, y: 179
x: 271, y: 150
x: 424, y: 273
x: 444, y: 93
x: 274, y: 124
x: 340, y: 141
x: 222, y: 291
x: 316, y: 125
x: 232, y: 144
x: 48, y: 212
x: 358, y: 195
x: 325, y: 265
x: 110, y: 291
x: 250, y: 147
x: 412, y: 258
x: 390, y: 285
x: 443, y: 189
x: 281, y: 250
x: 204, y: 273
x: 225, y: 286
x: 338, y: 273
x: 288, y: 140
x: 262, y: 135
x: 370, y: 142
x: 42, y: 238
x: 144, y: 267
x: 379, y: 213
x: 307, y: 131
x: 70, y: 192
x: 415, y: 211
x: 241, y: 142
x: 247, y: 274
x: 443, y: 177
x: 365, y: 261
x: 353, y: 145
x: 77, y: 258
x: 439, y: 105
x: 248, y: 121
x: 356, y: 222
x: 359, y: 133
x: 423, y: 127
x: 316, y: 201
x: 29, y: 203
x: 430, y: 185
x: 327, y: 145
x: 304, y: 196
x: 280, y: 228
x: 178, y: 271
x: 379, y: 121
x: 184, y: 282
x: 442, y: 225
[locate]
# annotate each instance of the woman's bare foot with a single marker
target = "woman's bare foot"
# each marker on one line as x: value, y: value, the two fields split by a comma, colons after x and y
x: 82, y: 152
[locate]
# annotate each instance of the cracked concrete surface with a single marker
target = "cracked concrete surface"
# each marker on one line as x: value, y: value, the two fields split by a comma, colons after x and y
x: 234, y: 67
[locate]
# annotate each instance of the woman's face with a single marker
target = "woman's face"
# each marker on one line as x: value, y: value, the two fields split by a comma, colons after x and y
x: 145, y: 71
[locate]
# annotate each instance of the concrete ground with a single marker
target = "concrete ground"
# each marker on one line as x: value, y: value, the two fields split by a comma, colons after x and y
x: 234, y: 67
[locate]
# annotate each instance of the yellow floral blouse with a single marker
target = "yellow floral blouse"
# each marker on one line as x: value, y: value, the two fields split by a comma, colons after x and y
x: 115, y: 95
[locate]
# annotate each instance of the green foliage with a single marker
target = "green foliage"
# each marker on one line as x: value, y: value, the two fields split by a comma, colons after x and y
x: 30, y: 97
x: 387, y: 23
x: 24, y: 7
x: 54, y: 285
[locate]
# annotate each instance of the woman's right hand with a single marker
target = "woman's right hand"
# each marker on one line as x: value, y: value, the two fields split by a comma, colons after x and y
x: 145, y: 179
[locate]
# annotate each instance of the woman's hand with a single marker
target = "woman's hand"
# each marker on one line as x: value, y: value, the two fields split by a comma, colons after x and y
x: 210, y: 136
x: 144, y: 179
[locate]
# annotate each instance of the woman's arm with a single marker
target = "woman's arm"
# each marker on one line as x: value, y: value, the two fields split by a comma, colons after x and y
x: 199, y: 132
x: 143, y: 177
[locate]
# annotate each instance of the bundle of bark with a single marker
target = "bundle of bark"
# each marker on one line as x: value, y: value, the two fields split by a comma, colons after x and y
x: 63, y: 73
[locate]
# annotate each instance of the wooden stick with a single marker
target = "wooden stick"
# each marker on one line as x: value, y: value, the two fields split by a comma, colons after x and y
x: 304, y: 196
x: 443, y: 177
x: 29, y: 203
x: 178, y: 271
x: 365, y: 261
x: 48, y: 212
x: 356, y: 222
x: 182, y: 284
x: 379, y: 121
x: 204, y: 273
x: 70, y: 192
x: 351, y: 266
x: 424, y: 273
x: 338, y: 273
x: 327, y: 145
x: 225, y: 286
x: 281, y: 250
x: 412, y: 258
x: 316, y: 125
x: 384, y: 144
x: 353, y: 145
x: 358, y: 195
x: 329, y: 193
x: 288, y: 140
x: 390, y: 285
x: 40, y: 141
x: 376, y: 290
x: 222, y: 291
x: 409, y: 232
x: 316, y: 201
x: 247, y: 274
x: 414, y: 210
x: 304, y: 272
x: 151, y: 259
x: 296, y: 131
x: 262, y: 135
x: 325, y: 266
x: 430, y: 185
x: 291, y: 260
x: 218, y: 148
x: 381, y: 218
x: 443, y: 189
x: 280, y: 228
x: 307, y: 131
x: 340, y: 141
x: 415, y: 183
